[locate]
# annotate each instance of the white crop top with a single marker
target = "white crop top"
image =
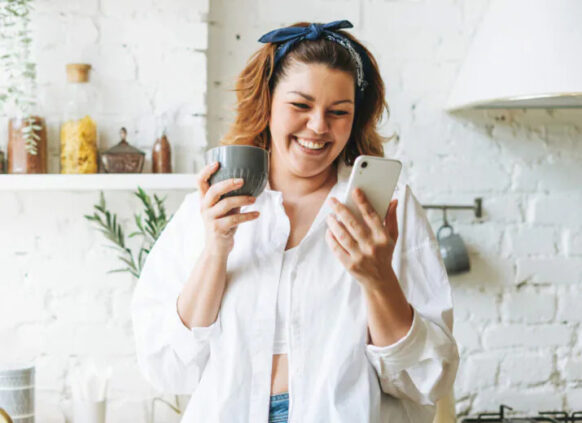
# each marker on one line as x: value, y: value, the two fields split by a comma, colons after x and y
x: 282, y: 322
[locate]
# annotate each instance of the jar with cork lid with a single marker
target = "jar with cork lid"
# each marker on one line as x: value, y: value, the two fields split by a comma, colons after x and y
x: 79, y: 135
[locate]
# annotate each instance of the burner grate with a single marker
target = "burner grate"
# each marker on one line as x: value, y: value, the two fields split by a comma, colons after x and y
x: 543, y: 416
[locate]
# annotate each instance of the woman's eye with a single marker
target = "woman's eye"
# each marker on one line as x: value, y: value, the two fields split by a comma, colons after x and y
x: 304, y: 106
x: 301, y: 105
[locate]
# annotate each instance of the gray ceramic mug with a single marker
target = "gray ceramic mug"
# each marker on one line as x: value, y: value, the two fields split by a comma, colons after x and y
x: 240, y: 161
x: 453, y: 251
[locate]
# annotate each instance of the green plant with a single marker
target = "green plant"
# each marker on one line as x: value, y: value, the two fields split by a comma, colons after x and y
x: 149, y: 229
x: 17, y: 69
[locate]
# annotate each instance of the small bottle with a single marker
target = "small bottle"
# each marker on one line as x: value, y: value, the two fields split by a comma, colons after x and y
x: 162, y: 156
x: 79, y: 150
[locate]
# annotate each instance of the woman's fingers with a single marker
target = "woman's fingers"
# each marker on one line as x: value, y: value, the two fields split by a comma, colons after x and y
x: 391, y: 220
x: 369, y: 215
x: 222, y: 214
x: 230, y: 205
x: 336, y: 247
x: 218, y: 189
x: 355, y: 228
x: 227, y: 225
x: 204, y: 175
x: 343, y: 237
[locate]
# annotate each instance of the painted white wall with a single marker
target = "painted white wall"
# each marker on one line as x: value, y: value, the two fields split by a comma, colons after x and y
x: 517, y: 313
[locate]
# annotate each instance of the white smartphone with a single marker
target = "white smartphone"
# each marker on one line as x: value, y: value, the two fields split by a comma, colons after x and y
x: 377, y: 178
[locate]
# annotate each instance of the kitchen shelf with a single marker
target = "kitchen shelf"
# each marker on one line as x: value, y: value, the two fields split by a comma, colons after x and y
x: 101, y: 181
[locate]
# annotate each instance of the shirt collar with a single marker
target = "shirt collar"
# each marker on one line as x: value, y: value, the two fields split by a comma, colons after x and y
x: 337, y: 191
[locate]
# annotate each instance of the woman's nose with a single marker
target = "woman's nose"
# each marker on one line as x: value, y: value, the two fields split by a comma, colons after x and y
x: 317, y: 122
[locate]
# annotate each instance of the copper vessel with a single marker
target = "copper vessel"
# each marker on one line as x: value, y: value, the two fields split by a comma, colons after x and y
x: 123, y: 158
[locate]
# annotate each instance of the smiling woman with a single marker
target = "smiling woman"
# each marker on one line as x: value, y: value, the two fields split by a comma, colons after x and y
x: 289, y: 314
x: 258, y: 82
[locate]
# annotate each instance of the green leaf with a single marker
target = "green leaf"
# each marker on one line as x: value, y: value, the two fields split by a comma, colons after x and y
x: 138, y: 222
x: 119, y: 270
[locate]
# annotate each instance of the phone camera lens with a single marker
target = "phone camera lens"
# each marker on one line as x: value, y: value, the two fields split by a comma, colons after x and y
x: 364, y: 164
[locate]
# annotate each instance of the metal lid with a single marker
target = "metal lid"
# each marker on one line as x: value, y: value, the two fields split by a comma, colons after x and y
x: 123, y: 147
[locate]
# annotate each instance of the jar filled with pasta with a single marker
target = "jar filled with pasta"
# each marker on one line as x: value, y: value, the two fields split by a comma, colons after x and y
x: 79, y: 136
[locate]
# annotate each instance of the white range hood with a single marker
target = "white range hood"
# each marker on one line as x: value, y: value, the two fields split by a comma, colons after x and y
x: 526, y: 53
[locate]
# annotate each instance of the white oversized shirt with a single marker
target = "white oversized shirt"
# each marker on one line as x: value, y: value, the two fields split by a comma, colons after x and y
x: 283, y: 302
x: 334, y: 374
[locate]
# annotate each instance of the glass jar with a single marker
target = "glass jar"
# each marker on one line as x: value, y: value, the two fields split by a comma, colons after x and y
x: 27, y: 145
x: 79, y: 136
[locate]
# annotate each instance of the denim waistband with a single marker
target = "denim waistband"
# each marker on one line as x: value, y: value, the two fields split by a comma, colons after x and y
x: 280, y: 397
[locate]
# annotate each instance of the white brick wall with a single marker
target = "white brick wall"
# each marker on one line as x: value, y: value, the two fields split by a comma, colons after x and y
x: 148, y: 59
x: 517, y: 312
x: 60, y: 306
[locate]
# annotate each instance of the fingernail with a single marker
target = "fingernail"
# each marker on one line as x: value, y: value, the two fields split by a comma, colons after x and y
x: 238, y: 181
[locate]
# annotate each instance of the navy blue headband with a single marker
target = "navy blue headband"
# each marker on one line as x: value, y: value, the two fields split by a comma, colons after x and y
x: 290, y: 36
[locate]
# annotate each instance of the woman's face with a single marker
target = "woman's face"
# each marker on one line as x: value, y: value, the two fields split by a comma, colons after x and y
x: 312, y: 112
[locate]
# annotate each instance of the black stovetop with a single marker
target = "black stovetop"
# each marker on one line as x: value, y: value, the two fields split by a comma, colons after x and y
x: 542, y: 416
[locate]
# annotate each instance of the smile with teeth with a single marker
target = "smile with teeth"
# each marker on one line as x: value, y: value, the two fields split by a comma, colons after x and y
x: 310, y: 144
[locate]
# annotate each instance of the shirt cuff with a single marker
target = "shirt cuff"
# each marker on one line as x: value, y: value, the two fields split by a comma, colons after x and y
x: 401, y: 349
x: 188, y: 342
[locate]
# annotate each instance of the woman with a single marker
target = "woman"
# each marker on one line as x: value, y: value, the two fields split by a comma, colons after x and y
x: 289, y: 309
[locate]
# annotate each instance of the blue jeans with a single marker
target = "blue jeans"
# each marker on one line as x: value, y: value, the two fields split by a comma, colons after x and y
x: 279, y: 408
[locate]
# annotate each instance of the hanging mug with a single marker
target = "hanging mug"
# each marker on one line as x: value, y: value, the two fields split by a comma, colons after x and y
x: 453, y: 251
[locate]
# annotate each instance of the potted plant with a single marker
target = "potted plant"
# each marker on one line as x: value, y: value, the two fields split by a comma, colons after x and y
x: 26, y: 152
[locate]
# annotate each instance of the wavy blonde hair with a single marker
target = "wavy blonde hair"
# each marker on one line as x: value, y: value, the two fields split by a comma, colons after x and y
x: 256, y: 83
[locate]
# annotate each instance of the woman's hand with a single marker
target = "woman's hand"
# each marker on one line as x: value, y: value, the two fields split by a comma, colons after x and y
x: 364, y: 248
x: 221, y: 217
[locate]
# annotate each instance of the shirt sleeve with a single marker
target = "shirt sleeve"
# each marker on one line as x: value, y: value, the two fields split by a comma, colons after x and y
x: 171, y: 356
x: 421, y: 366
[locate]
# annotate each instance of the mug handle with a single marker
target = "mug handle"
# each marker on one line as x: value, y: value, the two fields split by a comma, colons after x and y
x: 446, y: 225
